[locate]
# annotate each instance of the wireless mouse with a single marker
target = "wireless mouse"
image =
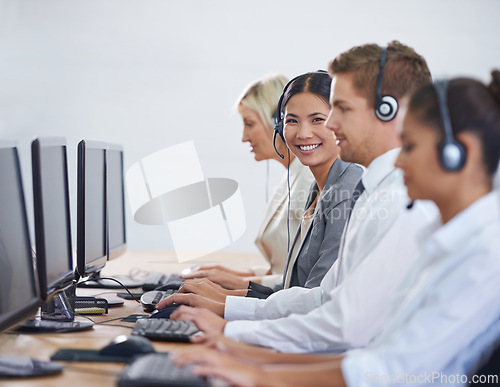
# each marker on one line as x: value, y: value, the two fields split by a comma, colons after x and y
x: 127, y: 346
x: 163, y: 313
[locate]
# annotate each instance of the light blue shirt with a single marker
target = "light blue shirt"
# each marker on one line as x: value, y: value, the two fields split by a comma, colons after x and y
x: 448, y: 300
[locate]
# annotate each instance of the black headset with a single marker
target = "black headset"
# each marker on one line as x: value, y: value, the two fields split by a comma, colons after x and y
x: 386, y: 106
x: 279, y: 117
x: 452, y: 154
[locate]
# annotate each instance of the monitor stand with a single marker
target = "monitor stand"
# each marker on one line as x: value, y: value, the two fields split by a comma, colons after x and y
x: 95, y: 281
x: 57, y: 317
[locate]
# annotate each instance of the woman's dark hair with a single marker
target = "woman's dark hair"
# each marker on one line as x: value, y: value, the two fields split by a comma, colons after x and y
x: 473, y: 107
x: 318, y: 83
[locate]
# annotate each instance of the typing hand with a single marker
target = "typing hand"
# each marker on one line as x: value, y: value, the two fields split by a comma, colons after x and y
x: 223, y: 278
x: 242, y: 351
x: 210, y: 362
x: 206, y: 288
x: 205, y: 320
x: 193, y: 300
x: 226, y: 269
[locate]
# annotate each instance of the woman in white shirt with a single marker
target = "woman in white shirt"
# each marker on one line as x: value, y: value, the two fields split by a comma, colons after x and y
x: 451, y: 150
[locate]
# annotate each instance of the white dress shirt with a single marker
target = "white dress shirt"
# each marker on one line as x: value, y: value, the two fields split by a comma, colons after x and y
x: 449, y: 298
x: 350, y: 306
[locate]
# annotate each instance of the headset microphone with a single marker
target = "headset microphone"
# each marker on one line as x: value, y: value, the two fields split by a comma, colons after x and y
x: 282, y: 156
x: 410, y: 205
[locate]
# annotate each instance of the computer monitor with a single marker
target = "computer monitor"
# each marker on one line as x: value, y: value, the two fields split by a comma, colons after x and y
x: 91, y: 226
x: 19, y: 298
x: 54, y: 253
x: 117, y: 239
x: 97, y: 238
x: 52, y: 215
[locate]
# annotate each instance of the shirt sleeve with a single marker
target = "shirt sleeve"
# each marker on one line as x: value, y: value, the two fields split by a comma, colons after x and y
x: 278, y: 304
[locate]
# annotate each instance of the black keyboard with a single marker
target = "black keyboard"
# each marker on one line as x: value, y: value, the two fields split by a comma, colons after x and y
x: 150, y: 299
x: 157, y: 370
x: 153, y: 280
x: 161, y: 329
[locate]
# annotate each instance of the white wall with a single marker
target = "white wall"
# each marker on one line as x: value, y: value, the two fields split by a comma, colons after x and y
x: 149, y: 74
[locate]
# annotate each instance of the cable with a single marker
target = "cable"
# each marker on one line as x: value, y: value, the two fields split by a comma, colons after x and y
x: 112, y: 279
x: 288, y: 217
x: 267, y: 181
x: 106, y: 321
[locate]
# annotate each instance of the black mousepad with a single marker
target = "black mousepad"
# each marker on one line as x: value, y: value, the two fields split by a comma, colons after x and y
x: 89, y: 355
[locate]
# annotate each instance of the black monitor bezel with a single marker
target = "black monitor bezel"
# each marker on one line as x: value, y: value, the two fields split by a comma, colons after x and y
x: 84, y: 269
x: 119, y: 249
x: 12, y: 318
x: 47, y: 290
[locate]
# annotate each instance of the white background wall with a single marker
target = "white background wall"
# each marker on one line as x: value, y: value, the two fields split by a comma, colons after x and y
x: 149, y: 74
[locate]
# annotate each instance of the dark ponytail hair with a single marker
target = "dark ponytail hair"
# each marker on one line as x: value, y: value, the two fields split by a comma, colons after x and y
x: 473, y: 107
x: 318, y: 83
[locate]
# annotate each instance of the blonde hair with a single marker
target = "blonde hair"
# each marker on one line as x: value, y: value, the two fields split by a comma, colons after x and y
x: 262, y: 96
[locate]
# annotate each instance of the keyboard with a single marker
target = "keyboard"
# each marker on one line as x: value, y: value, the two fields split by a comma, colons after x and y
x: 21, y: 366
x: 160, y: 329
x: 150, y: 299
x: 157, y: 370
x: 153, y: 280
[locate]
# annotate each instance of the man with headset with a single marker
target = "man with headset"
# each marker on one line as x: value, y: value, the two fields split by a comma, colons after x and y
x: 379, y: 243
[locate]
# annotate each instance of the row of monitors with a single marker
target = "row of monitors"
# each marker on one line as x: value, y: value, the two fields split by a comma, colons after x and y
x: 100, y: 222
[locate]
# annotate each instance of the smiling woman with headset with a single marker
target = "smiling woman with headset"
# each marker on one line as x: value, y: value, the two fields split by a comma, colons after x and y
x: 257, y: 108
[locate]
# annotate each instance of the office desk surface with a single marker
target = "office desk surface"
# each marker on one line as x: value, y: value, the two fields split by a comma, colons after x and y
x: 134, y: 263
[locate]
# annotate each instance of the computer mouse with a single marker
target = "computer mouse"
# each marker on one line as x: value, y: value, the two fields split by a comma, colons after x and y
x: 174, y: 285
x: 127, y: 346
x: 163, y: 313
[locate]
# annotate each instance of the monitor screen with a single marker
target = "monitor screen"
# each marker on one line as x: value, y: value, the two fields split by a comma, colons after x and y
x: 91, y: 208
x: 116, y: 201
x: 52, y: 215
x: 18, y: 293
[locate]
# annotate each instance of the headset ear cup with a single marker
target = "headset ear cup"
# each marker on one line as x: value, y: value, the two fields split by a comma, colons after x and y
x: 278, y: 127
x: 387, y: 108
x: 452, y: 155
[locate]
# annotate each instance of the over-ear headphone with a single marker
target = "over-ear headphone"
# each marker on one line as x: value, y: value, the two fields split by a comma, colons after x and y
x: 452, y: 154
x: 386, y: 106
x: 279, y: 117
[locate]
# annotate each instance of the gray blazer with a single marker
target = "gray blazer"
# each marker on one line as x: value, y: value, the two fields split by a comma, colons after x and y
x: 320, y: 246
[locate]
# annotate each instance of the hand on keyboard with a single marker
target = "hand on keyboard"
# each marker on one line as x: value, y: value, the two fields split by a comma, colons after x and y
x: 208, y: 289
x: 212, y: 363
x: 158, y: 370
x: 193, y: 300
x: 205, y: 320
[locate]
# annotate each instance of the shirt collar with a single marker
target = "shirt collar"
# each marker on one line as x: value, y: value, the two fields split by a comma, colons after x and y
x: 468, y: 222
x: 379, y: 168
